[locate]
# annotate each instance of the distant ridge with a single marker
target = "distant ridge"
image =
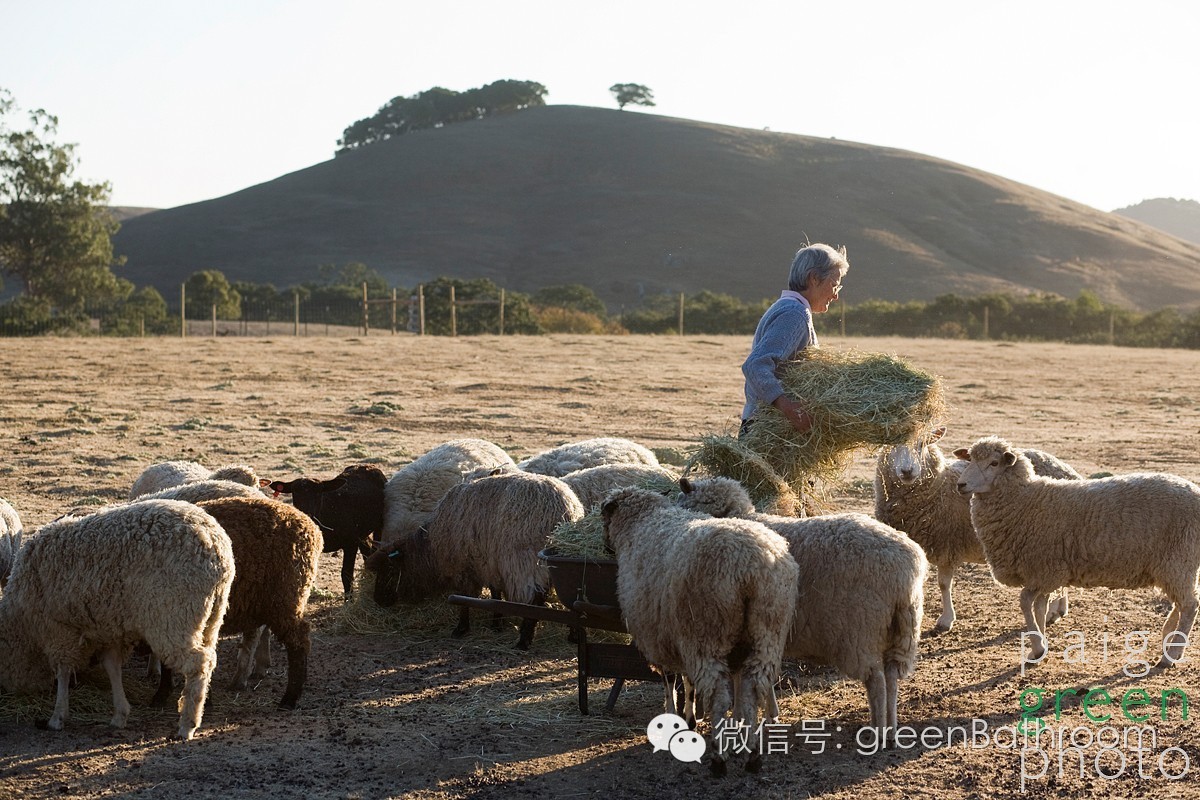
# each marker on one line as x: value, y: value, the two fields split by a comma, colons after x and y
x: 634, y: 204
x: 1177, y: 217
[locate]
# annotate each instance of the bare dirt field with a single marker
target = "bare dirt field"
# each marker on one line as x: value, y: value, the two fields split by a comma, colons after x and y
x: 415, y: 713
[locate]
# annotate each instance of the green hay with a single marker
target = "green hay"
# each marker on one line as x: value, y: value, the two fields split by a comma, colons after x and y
x: 855, y: 400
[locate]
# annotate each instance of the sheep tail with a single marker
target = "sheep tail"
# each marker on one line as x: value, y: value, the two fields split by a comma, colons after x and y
x: 904, y: 633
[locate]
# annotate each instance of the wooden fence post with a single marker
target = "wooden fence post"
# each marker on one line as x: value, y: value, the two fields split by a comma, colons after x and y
x: 501, y: 312
x: 214, y: 320
x: 985, y: 322
x: 366, y: 318
x: 393, y: 311
x: 296, y: 312
x: 420, y: 309
x: 183, y: 311
x: 681, y: 313
x: 453, y: 313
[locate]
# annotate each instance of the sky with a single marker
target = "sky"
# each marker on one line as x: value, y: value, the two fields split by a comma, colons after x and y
x: 173, y: 103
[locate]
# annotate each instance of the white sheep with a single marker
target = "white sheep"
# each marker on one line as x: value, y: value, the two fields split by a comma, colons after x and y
x: 10, y: 539
x: 712, y: 599
x: 199, y: 491
x: 166, y: 474
x: 1122, y: 532
x: 413, y: 491
x: 158, y: 571
x: 592, y: 484
x: 487, y: 532
x: 916, y: 491
x: 861, y: 590
x: 568, y: 458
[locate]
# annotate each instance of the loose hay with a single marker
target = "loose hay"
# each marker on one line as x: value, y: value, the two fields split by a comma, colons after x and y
x: 721, y: 455
x: 582, y: 538
x: 855, y: 400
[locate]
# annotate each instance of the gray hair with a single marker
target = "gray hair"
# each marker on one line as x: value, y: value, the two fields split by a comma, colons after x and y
x: 819, y: 262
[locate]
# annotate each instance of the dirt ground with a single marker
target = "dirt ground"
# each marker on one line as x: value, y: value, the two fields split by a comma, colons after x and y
x: 418, y: 714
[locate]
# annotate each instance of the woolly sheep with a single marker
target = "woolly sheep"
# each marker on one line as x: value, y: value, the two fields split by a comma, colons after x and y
x: 916, y: 491
x: 158, y: 571
x: 711, y: 599
x: 348, y: 509
x: 10, y: 539
x: 568, y: 458
x: 412, y: 492
x: 591, y: 485
x: 275, y: 552
x: 1122, y: 532
x: 484, y: 533
x: 861, y: 591
x: 166, y: 474
x: 199, y: 491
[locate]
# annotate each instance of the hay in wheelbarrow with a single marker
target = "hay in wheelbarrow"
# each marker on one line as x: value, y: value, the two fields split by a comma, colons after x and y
x: 855, y: 400
x: 722, y: 455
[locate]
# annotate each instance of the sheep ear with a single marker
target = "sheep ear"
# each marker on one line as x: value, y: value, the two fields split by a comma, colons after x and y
x: 963, y: 453
x: 937, y: 433
x: 331, y: 485
x: 496, y: 471
x: 685, y: 486
x: 263, y: 483
x: 609, y: 507
x: 281, y: 487
x: 1009, y: 458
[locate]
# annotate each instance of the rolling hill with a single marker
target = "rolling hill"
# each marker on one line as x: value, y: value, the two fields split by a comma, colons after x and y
x: 1177, y: 217
x: 634, y: 204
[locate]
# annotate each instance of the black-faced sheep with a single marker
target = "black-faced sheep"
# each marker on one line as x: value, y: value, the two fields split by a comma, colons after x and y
x: 572, y: 457
x: 916, y: 491
x: 484, y: 533
x: 861, y: 590
x: 1123, y: 532
x: 712, y: 599
x: 348, y: 509
x: 591, y: 485
x: 158, y: 571
x: 10, y: 539
x: 166, y: 474
x: 414, y: 490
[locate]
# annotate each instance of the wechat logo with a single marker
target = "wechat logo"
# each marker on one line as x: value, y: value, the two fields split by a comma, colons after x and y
x: 669, y: 732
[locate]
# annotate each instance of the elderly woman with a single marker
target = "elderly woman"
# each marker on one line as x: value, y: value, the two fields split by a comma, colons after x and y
x: 786, y: 328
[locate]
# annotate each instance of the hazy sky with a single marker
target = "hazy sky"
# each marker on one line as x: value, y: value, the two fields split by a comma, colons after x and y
x: 176, y: 102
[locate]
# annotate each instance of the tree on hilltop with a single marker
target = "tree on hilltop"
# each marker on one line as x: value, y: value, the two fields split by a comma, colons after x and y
x: 632, y: 94
x: 436, y: 107
x: 55, y: 232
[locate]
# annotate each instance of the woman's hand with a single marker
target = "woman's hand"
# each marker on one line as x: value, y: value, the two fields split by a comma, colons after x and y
x: 796, y: 415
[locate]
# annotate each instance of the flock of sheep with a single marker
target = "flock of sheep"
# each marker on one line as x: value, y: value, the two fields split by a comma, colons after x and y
x: 710, y: 590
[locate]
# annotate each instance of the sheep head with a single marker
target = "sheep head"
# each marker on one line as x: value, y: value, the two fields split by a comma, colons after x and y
x: 717, y: 497
x: 911, y: 461
x: 621, y: 510
x: 403, y: 570
x: 988, y: 459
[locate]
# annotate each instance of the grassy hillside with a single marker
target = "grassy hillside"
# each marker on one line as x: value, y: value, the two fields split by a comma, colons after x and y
x: 633, y: 203
x: 1177, y: 217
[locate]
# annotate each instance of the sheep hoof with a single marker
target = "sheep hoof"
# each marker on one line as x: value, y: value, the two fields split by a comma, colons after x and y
x: 521, y: 644
x: 288, y: 704
x: 718, y: 768
x: 755, y: 763
x: 1164, y: 662
x: 943, y: 627
x: 184, y: 734
x: 458, y: 633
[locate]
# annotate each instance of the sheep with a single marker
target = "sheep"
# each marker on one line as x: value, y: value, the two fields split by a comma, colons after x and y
x: 568, y: 458
x: 159, y: 571
x: 861, y: 591
x: 916, y: 491
x: 412, y: 492
x: 10, y: 539
x: 484, y: 533
x: 592, y: 484
x: 275, y: 552
x: 712, y: 599
x: 348, y: 509
x: 173, y: 473
x: 1122, y: 532
x: 199, y: 491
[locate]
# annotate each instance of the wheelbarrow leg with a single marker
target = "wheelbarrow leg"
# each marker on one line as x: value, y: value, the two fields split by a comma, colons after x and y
x: 613, y: 694
x: 581, y: 644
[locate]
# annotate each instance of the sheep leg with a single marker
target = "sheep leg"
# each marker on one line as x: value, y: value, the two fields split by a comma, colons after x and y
x: 61, y: 700
x: 298, y: 642
x: 1058, y: 609
x: 112, y: 665
x: 262, y: 655
x: 496, y: 616
x: 1038, y: 650
x: 153, y: 667
x: 877, y: 697
x: 945, y: 577
x: 197, y: 669
x: 245, y: 655
x: 1179, y: 625
x: 348, y: 556
x: 892, y: 676
x: 166, y: 682
x: 528, y: 624
x: 713, y: 689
